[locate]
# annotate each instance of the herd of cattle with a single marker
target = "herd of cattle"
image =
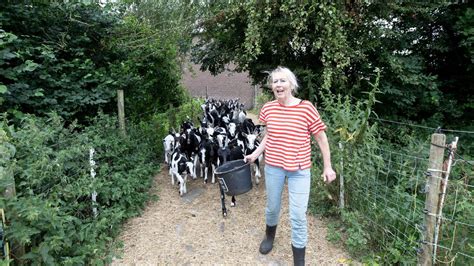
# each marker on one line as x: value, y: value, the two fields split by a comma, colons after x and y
x: 224, y: 134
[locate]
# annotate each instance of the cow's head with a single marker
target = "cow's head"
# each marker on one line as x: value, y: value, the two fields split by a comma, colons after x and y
x: 168, y: 143
x: 232, y: 128
x: 250, y: 140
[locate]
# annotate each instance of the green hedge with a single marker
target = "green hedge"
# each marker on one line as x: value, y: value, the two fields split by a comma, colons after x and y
x: 48, y: 158
x: 52, y: 211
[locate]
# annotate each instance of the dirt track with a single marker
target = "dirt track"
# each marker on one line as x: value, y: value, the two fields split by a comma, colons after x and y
x: 190, y: 230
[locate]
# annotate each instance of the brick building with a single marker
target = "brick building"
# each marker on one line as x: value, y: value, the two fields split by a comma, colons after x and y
x: 226, y: 85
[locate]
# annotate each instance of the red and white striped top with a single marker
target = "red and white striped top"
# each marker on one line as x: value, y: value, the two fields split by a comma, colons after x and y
x: 289, y: 130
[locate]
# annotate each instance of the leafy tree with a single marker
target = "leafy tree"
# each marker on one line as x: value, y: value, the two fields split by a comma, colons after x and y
x: 53, y: 57
x: 150, y: 72
x: 338, y: 46
x: 71, y: 58
x: 418, y: 49
x: 173, y: 21
x: 258, y: 36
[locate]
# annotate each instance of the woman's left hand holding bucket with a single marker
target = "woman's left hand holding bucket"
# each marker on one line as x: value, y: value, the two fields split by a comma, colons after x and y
x: 249, y: 158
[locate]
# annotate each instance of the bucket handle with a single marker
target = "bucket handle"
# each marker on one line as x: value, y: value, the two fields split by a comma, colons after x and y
x: 237, y: 168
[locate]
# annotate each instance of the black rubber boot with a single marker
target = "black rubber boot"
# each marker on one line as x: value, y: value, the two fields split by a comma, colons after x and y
x: 298, y: 255
x: 267, y: 243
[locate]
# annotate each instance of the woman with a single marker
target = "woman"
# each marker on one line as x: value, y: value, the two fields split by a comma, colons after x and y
x: 289, y: 124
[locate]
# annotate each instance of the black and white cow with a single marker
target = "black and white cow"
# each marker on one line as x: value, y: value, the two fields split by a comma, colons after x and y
x: 251, y: 144
x: 190, y: 141
x: 208, y: 157
x: 170, y: 144
x: 181, y: 167
x: 168, y: 147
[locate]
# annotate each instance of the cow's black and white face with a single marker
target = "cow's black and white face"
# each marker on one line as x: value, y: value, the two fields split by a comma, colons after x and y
x: 210, y: 132
x: 221, y: 140
x: 232, y: 129
x: 251, y: 141
x: 168, y: 143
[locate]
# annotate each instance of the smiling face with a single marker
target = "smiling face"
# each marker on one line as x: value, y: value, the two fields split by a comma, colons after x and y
x: 281, y: 86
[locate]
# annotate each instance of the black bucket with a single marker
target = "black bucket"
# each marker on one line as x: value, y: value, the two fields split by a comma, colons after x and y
x: 234, y: 177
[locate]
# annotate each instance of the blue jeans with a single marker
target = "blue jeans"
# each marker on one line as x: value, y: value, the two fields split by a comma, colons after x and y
x: 298, y: 191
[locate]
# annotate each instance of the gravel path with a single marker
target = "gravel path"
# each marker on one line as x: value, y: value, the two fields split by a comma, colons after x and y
x: 190, y: 230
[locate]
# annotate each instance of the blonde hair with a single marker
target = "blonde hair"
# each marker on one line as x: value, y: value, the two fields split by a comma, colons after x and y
x: 289, y: 74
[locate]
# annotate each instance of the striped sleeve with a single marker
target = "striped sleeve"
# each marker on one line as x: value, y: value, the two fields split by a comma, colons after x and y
x: 263, y: 114
x: 315, y: 124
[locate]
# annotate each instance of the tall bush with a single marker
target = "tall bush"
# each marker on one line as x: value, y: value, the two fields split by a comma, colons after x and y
x: 70, y: 58
x: 54, y: 58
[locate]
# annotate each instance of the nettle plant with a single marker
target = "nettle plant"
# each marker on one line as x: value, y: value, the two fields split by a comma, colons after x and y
x: 351, y: 137
x: 353, y: 140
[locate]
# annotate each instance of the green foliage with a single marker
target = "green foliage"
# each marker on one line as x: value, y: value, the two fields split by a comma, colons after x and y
x: 357, y: 236
x: 58, y: 62
x: 7, y: 152
x: 151, y: 73
x: 259, y: 36
x: 351, y: 135
x: 262, y: 98
x: 173, y: 20
x: 73, y: 57
x: 355, y: 141
x: 52, y: 212
x: 338, y: 45
x: 334, y: 235
x: 411, y: 43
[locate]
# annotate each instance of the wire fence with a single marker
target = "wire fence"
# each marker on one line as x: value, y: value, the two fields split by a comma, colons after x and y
x: 392, y: 199
x: 389, y: 199
x: 456, y: 237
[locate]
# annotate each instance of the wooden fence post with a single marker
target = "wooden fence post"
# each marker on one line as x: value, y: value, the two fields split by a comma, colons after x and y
x: 121, y: 111
x: 447, y: 169
x: 432, y: 188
